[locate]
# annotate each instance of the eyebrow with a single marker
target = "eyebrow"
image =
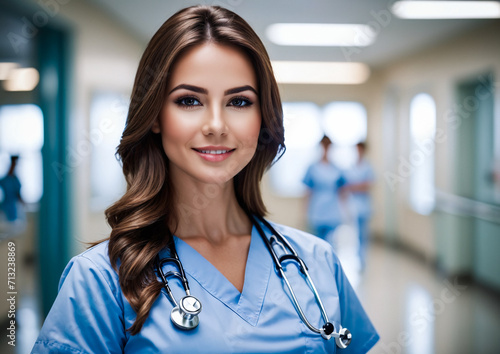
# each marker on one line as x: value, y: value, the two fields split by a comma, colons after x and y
x: 240, y: 89
x: 205, y: 91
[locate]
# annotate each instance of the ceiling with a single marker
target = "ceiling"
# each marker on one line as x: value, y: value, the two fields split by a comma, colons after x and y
x: 397, y: 38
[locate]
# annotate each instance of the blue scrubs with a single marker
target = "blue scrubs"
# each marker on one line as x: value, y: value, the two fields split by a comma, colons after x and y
x: 324, y: 213
x: 90, y: 314
x: 11, y: 191
x: 362, y: 172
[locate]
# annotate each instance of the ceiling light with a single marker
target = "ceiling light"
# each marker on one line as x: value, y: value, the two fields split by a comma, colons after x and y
x: 22, y: 79
x: 446, y: 9
x: 320, y: 34
x: 5, y: 69
x: 310, y: 72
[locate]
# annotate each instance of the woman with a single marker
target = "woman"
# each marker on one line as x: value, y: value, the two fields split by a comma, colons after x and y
x: 205, y: 122
x: 324, y: 181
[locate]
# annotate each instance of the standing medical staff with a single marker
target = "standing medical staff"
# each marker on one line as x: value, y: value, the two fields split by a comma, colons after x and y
x: 360, y: 179
x: 188, y: 266
x: 324, y: 181
x: 11, y: 187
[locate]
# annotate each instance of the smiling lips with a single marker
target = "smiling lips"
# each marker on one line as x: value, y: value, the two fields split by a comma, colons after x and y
x: 214, y: 153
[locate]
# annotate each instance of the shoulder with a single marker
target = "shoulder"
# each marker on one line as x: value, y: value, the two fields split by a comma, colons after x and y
x: 310, y: 168
x: 307, y: 245
x: 316, y: 166
x: 301, y: 238
x: 366, y: 164
x: 93, y: 263
x: 95, y: 257
x: 98, y: 254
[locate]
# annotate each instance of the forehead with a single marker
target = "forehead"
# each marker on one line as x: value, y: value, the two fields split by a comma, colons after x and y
x: 215, y: 66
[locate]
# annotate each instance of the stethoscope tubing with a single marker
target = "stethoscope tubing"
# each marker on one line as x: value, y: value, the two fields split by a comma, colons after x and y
x: 302, y: 266
x: 185, y: 319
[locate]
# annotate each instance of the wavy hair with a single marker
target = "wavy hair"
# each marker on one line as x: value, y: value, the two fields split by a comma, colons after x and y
x: 140, y: 219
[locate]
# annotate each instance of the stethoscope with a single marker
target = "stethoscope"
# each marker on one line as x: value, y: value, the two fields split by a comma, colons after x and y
x: 184, y: 315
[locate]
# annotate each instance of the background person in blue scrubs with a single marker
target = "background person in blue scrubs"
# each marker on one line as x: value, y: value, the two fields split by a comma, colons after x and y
x: 11, y: 187
x: 324, y: 181
x: 360, y: 179
x: 200, y: 133
x: 12, y: 215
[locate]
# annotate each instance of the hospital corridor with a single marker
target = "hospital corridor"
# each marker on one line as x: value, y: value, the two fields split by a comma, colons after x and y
x: 391, y: 118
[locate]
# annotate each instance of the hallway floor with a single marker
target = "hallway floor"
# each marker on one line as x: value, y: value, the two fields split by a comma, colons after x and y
x: 414, y: 310
x: 419, y: 312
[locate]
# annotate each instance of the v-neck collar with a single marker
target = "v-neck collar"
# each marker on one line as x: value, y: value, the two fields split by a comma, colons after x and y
x: 248, y: 303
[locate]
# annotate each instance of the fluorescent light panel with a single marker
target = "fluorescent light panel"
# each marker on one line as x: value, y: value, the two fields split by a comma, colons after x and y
x: 5, y: 69
x: 22, y: 79
x: 446, y: 9
x: 320, y: 34
x: 310, y: 72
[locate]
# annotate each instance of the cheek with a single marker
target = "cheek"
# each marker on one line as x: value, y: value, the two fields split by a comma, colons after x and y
x: 250, y: 131
x: 174, y: 129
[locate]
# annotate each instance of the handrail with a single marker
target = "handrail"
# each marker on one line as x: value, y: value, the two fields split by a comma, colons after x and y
x: 458, y: 205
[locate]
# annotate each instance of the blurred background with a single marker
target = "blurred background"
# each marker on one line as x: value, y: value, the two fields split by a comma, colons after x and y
x: 417, y: 81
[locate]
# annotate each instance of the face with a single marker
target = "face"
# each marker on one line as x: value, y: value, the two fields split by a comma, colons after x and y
x: 210, y: 121
x: 361, y: 151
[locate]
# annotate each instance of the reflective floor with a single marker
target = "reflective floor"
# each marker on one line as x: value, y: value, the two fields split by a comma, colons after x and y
x: 414, y: 310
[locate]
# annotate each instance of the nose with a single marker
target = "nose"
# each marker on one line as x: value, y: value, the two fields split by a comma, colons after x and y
x: 214, y: 123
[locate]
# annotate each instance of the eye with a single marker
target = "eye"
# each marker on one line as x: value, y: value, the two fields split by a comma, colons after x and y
x: 240, y: 102
x: 188, y: 101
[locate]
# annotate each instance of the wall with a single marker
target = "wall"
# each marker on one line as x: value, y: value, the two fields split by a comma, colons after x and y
x: 106, y: 56
x: 437, y: 71
x: 387, y: 97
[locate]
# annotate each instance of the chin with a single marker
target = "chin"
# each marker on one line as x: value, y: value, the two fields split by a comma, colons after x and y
x: 218, y: 178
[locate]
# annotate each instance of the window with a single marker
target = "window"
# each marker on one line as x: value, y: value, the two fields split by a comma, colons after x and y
x: 305, y: 124
x: 302, y: 135
x: 21, y: 133
x: 108, y: 113
x: 421, y: 158
x: 345, y: 124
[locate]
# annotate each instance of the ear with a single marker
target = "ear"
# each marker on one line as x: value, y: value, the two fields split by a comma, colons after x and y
x: 156, y: 126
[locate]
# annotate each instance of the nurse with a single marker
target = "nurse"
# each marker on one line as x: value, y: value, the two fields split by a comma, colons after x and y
x: 360, y: 179
x: 205, y: 122
x: 324, y: 181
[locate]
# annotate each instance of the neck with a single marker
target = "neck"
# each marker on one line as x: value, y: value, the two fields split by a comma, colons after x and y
x: 209, y: 211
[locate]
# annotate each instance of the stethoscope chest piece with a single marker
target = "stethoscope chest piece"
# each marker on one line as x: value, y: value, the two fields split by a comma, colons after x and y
x: 185, y: 316
x: 344, y: 338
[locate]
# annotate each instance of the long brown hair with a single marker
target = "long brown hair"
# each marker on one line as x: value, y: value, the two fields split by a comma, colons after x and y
x: 139, y: 219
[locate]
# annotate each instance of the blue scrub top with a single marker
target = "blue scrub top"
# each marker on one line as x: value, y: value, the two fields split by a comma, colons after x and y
x: 324, y: 179
x: 360, y: 173
x: 11, y: 190
x: 90, y: 313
